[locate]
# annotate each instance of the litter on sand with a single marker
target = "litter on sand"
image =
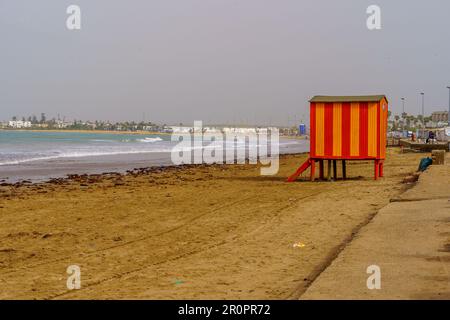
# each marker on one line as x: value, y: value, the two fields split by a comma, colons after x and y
x: 299, y: 245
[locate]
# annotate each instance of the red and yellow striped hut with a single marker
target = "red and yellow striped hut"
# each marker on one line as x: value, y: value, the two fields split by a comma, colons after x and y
x: 346, y: 128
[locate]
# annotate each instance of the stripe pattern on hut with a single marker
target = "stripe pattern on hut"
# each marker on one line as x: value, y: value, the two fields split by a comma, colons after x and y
x: 348, y: 127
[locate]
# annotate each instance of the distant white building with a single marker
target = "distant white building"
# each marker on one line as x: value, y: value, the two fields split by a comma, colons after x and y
x: 18, y: 124
x: 443, y: 134
x: 247, y: 130
x: 439, y: 116
x: 212, y: 130
x: 62, y: 124
x: 178, y: 129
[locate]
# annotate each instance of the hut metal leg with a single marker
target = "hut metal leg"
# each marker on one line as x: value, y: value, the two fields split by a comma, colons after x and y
x: 376, y: 170
x: 329, y: 170
x: 334, y: 170
x: 344, y: 170
x: 381, y: 173
x: 313, y: 170
x: 321, y: 169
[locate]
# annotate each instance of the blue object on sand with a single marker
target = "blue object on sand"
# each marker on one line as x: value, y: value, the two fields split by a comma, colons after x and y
x: 424, y: 163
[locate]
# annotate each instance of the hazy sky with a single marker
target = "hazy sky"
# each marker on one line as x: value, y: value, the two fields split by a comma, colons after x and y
x: 220, y: 61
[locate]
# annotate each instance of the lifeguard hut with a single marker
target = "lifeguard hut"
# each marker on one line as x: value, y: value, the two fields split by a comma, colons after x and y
x: 346, y: 128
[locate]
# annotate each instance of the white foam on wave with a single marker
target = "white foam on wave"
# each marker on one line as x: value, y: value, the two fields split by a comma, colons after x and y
x: 101, y: 140
x: 150, y: 139
x: 80, y: 155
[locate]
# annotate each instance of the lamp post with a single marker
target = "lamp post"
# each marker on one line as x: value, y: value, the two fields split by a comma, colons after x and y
x: 423, y: 106
x: 448, y: 116
x: 423, y: 114
x: 403, y: 105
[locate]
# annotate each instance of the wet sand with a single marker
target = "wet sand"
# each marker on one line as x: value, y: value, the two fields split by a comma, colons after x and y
x: 38, y: 171
x: 193, y: 232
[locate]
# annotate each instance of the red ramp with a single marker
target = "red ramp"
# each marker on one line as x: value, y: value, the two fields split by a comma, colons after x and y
x: 300, y: 170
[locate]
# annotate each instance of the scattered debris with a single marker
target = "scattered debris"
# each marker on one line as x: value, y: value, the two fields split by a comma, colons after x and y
x: 411, y: 178
x: 299, y: 245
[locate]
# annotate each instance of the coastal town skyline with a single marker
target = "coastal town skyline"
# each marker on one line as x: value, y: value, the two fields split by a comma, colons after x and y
x: 434, y: 119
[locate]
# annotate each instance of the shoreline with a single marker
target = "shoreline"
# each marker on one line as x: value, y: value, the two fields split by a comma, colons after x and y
x: 62, y: 163
x: 138, y: 170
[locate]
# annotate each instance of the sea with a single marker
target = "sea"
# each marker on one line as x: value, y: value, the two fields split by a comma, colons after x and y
x: 39, y: 156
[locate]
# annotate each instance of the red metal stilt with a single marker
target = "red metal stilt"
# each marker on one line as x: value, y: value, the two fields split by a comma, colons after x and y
x: 299, y: 171
x: 378, y: 169
x: 376, y: 166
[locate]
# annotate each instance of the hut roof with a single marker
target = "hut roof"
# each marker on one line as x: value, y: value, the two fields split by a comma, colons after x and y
x: 373, y: 98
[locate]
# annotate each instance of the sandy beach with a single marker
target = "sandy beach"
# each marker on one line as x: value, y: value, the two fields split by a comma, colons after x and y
x: 193, y: 232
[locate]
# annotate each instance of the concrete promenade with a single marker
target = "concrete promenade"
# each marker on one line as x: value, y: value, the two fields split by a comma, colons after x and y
x: 409, y: 239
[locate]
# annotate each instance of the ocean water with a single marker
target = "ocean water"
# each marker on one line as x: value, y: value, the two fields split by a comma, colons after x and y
x: 18, y: 147
x: 30, y: 155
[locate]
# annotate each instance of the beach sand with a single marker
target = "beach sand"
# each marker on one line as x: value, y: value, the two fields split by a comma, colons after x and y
x: 203, y: 232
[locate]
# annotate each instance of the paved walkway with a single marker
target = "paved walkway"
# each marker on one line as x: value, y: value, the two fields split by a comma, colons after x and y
x: 409, y: 240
